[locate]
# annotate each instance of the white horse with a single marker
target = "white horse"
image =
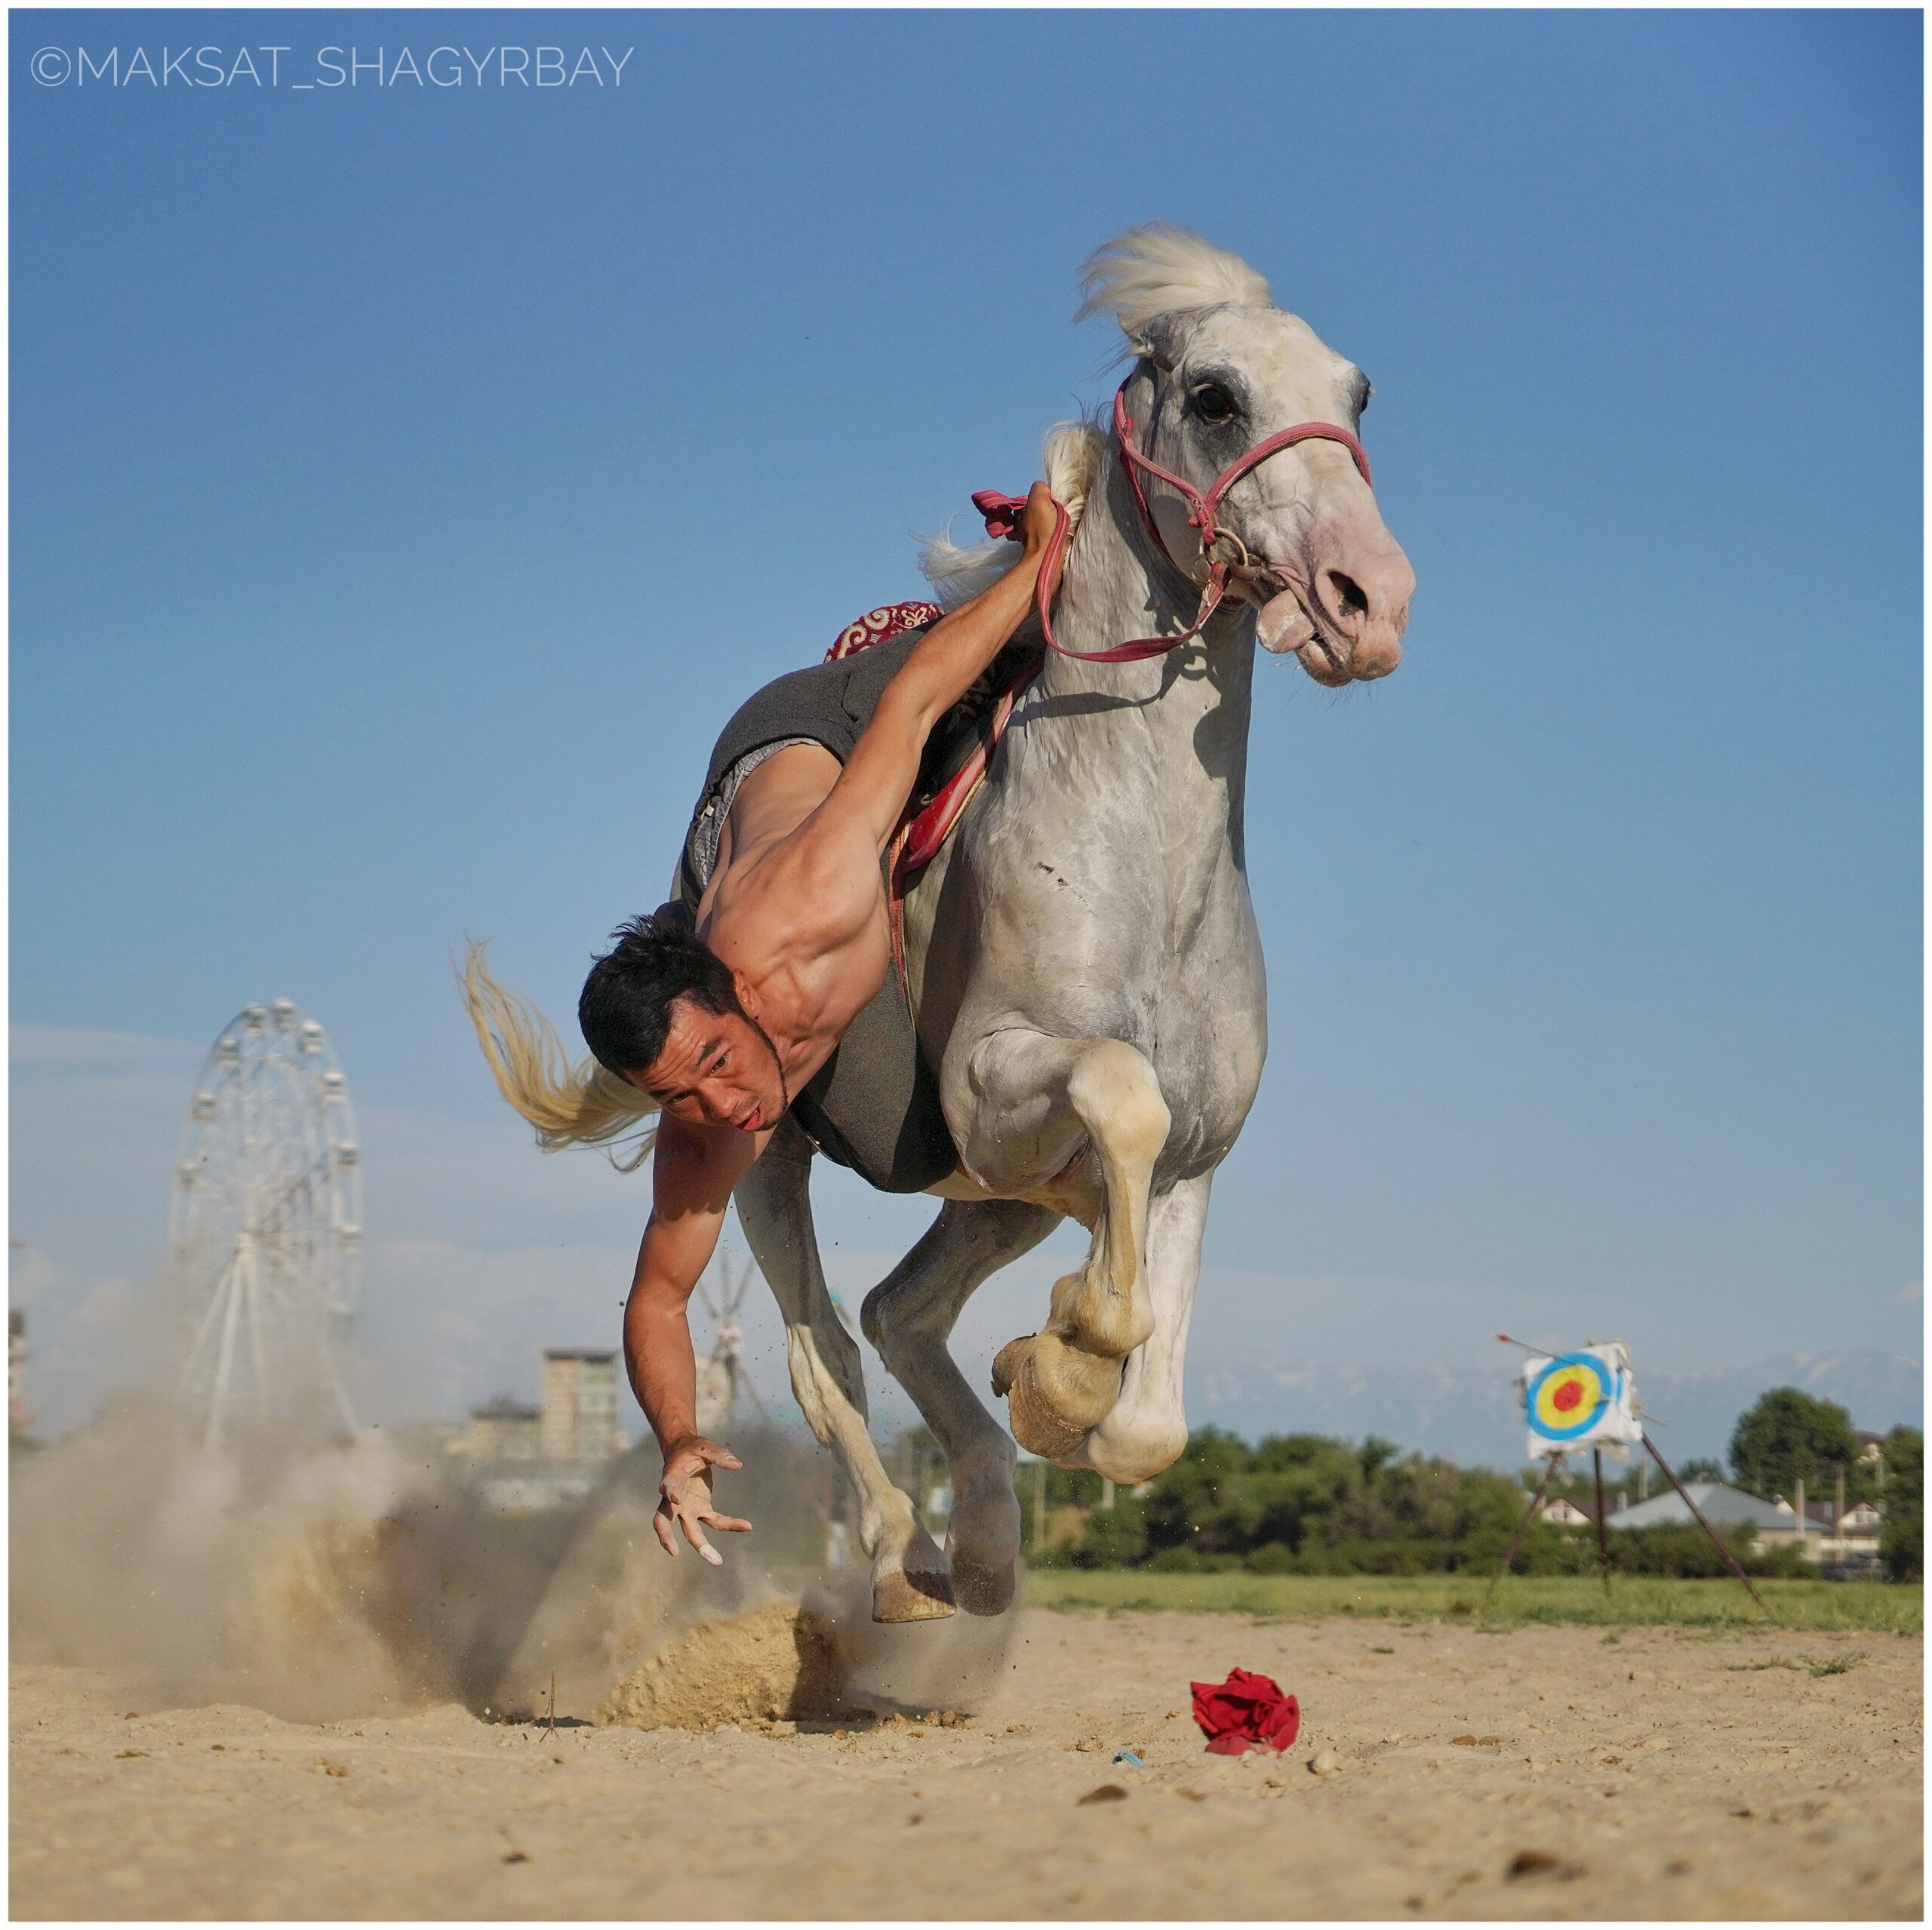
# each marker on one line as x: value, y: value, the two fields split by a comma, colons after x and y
x: 1082, y: 955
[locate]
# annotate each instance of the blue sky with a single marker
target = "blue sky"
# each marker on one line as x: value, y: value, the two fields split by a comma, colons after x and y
x: 407, y: 481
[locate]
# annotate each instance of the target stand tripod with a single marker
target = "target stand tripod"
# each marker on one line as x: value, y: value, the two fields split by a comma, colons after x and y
x: 1556, y: 1461
x: 1583, y: 1399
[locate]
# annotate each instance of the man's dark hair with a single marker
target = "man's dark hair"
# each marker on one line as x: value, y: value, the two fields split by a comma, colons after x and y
x: 624, y: 1011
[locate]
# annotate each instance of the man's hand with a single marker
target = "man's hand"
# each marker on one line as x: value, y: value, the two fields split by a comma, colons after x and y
x: 686, y: 1489
x: 1037, y: 519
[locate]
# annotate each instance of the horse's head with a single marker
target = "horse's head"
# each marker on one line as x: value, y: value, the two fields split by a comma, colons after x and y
x: 1220, y: 369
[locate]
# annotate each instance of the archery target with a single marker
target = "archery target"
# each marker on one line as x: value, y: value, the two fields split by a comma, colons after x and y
x: 1567, y: 1398
x: 1584, y: 1399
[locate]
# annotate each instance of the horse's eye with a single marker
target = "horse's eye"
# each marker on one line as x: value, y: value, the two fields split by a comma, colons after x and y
x: 1213, y: 403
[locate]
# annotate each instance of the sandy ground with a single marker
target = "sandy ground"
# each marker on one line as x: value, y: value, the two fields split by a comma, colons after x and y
x: 1657, y: 1774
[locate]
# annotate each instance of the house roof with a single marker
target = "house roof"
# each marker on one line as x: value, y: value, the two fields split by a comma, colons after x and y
x: 504, y: 1408
x: 1716, y: 1501
x: 1581, y: 1509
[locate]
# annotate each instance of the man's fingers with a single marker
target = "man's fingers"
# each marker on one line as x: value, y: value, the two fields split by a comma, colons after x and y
x: 686, y: 1488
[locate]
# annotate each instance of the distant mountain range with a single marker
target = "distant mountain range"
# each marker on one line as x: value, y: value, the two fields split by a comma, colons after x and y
x: 1472, y: 1416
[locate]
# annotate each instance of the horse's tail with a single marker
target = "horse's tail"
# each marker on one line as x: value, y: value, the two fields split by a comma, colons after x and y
x: 569, y: 1105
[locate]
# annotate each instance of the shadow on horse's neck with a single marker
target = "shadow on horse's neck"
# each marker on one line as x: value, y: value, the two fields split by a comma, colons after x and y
x: 1192, y: 704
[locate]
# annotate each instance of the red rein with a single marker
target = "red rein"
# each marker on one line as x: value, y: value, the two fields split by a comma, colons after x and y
x: 1002, y: 518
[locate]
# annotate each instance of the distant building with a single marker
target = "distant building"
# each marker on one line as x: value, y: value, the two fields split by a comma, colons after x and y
x: 535, y: 1487
x: 1855, y: 1539
x: 1720, y: 1504
x: 429, y: 1442
x: 504, y: 1429
x: 527, y: 1459
x: 580, y: 1420
x: 1560, y: 1514
x: 1773, y: 1524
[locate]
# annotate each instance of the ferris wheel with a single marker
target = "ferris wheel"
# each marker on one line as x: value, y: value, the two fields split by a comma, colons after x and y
x: 265, y: 1236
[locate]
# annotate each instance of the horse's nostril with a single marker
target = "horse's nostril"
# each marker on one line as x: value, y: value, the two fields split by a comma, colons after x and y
x: 1347, y: 593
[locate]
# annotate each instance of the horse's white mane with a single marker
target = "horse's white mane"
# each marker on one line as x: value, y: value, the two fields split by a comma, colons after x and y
x: 1070, y: 457
x: 1147, y: 272
x: 1156, y: 269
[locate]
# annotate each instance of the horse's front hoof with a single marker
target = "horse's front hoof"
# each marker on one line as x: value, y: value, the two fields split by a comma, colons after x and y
x: 1007, y: 1363
x: 911, y: 1595
x: 1052, y: 1413
x: 981, y: 1589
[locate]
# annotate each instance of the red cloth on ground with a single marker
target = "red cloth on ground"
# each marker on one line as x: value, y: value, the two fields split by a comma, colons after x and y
x: 1244, y: 1712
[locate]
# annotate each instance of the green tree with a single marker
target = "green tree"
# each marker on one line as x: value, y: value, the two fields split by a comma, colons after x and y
x: 1700, y: 1467
x: 1072, y: 1487
x: 1190, y: 1504
x: 1901, y: 1540
x: 1305, y: 1504
x: 1789, y: 1436
x: 1113, y: 1537
x: 1300, y: 1492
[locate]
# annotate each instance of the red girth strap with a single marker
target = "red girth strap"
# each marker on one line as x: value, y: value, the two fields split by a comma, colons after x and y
x: 1002, y: 519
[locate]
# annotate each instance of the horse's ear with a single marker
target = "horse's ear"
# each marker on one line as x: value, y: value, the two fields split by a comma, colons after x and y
x: 1157, y: 341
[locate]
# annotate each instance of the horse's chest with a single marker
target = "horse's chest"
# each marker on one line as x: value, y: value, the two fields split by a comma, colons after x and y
x: 1097, y: 939
x: 1208, y: 1040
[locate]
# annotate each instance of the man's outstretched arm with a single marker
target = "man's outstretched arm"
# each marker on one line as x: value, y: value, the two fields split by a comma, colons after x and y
x: 693, y: 1170
x: 941, y: 667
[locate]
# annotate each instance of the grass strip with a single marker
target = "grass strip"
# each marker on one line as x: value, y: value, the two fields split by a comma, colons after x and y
x: 1518, y: 1601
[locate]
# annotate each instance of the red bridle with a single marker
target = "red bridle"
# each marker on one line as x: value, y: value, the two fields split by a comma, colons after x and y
x: 1002, y: 518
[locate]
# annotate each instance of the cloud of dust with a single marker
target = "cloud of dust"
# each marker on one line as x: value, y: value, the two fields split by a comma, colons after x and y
x: 611, y: 1600
x: 910, y: 1667
x: 322, y: 1579
x: 204, y: 1574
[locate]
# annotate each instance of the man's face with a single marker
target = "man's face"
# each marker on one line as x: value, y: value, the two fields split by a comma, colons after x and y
x: 716, y: 1069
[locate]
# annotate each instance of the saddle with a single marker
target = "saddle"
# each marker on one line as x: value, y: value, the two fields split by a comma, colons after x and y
x: 958, y: 751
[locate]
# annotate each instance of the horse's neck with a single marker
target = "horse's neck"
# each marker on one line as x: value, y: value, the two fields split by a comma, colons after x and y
x: 1172, y: 727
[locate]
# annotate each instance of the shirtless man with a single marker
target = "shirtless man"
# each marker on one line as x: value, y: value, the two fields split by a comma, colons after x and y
x: 722, y: 1024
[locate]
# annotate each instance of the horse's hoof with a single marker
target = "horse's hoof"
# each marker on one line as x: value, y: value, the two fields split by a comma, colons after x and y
x: 911, y: 1595
x: 1008, y: 1362
x: 1040, y: 1424
x: 982, y: 1591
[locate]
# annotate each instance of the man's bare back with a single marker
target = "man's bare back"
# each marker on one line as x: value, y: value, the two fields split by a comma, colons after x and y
x: 791, y: 942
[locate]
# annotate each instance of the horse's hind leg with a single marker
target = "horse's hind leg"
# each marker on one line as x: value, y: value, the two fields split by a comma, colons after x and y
x: 1029, y: 1104
x: 908, y: 1316
x: 774, y: 1207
